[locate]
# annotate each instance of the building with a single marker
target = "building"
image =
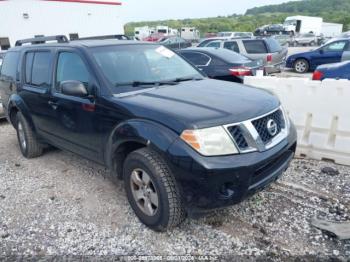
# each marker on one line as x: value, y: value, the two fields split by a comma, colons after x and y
x: 22, y: 19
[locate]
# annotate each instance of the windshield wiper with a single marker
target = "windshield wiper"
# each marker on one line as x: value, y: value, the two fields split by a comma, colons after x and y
x: 183, y: 79
x: 141, y: 83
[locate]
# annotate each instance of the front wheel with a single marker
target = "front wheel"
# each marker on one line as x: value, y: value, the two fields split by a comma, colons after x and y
x: 28, y: 143
x: 152, y: 191
x: 301, y: 66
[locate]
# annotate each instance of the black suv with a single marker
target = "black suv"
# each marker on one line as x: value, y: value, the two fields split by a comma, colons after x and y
x: 181, y: 142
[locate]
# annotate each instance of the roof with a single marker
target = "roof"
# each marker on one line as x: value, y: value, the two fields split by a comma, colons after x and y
x: 84, y: 43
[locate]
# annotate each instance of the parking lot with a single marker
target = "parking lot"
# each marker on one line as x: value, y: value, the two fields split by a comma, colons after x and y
x: 289, y: 72
x: 61, y: 204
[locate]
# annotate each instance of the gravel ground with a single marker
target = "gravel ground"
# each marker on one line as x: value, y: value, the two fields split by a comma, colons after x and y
x: 61, y: 204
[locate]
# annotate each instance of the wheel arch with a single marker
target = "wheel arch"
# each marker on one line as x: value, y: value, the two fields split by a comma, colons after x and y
x: 132, y: 135
x: 15, y: 105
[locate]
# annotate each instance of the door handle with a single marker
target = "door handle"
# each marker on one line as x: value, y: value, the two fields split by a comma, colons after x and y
x: 53, y: 104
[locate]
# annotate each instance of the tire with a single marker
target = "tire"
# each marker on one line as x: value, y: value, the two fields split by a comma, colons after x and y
x: 28, y: 143
x: 313, y: 43
x: 301, y: 66
x: 164, y: 212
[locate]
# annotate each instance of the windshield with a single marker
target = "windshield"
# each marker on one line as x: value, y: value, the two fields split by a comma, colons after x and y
x: 290, y: 22
x: 125, y: 65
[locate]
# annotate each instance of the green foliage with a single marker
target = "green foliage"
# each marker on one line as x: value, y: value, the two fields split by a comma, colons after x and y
x: 337, y: 11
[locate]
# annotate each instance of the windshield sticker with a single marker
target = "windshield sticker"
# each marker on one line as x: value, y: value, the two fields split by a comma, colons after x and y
x: 165, y: 52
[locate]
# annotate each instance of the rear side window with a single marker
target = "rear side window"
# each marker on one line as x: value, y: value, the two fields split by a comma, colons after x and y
x: 37, y: 69
x: 231, y: 46
x: 197, y: 59
x: 255, y: 47
x: 274, y: 45
x: 9, y: 65
x: 214, y: 44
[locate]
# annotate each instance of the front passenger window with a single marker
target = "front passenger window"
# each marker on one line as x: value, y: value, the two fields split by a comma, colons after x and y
x: 70, y: 66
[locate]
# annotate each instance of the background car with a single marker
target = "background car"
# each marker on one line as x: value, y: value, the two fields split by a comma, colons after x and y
x: 336, y: 71
x: 153, y: 37
x: 268, y: 50
x: 269, y: 29
x: 235, y: 34
x: 335, y: 51
x: 284, y: 40
x: 305, y: 39
x: 222, y: 64
x: 174, y: 42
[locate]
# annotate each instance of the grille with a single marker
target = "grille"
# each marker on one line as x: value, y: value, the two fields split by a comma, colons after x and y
x: 261, y: 125
x: 238, y: 136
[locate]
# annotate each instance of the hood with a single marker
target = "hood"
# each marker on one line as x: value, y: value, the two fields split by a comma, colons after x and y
x: 199, y: 104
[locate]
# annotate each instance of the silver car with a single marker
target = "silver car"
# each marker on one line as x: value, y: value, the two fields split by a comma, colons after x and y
x: 305, y: 39
x: 268, y: 50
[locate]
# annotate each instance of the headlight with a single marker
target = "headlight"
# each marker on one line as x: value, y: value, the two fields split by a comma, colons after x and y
x: 212, y: 141
x: 286, y: 117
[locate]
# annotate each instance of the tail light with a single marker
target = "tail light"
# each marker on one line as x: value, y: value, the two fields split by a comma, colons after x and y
x: 317, y: 75
x: 241, y: 71
x: 269, y: 58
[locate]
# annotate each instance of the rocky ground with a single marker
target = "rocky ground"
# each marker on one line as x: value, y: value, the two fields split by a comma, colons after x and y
x: 61, y: 204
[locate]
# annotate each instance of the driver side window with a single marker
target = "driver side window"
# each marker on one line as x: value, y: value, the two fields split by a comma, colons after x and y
x: 70, y: 66
x: 335, y: 47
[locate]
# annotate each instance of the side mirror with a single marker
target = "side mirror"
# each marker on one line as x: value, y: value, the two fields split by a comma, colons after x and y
x: 321, y: 51
x: 73, y: 88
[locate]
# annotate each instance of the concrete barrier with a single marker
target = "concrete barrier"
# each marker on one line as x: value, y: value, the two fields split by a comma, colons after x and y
x: 320, y: 111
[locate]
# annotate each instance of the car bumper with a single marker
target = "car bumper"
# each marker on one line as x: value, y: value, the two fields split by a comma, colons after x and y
x: 214, y: 182
x: 275, y: 68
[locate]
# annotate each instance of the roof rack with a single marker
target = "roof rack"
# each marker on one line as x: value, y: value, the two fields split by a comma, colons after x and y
x: 42, y: 40
x: 105, y: 37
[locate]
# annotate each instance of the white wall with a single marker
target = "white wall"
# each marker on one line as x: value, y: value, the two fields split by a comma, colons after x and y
x: 54, y: 18
x: 320, y: 111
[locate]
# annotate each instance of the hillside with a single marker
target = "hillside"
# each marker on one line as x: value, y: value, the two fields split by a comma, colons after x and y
x: 315, y: 7
x: 337, y: 11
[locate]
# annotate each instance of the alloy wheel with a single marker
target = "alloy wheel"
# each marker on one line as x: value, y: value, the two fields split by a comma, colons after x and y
x: 300, y: 66
x: 22, y: 138
x: 144, y: 192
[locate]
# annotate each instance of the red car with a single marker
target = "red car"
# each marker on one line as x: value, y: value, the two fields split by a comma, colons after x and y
x: 153, y: 38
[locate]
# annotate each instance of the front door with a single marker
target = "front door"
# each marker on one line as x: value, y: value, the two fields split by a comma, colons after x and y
x: 331, y: 53
x: 75, y: 125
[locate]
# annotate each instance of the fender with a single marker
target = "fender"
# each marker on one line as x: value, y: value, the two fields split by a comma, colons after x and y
x: 17, y: 102
x: 146, y: 132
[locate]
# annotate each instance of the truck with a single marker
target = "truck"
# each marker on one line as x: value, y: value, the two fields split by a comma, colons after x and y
x: 190, y: 34
x: 143, y: 32
x: 309, y: 24
x: 166, y: 30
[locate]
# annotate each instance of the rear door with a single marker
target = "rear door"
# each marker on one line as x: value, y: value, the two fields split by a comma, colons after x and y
x: 232, y: 45
x: 331, y: 53
x: 36, y: 85
x: 9, y: 78
x: 198, y: 59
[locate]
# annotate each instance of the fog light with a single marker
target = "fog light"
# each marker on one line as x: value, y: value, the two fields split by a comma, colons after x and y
x: 227, y: 190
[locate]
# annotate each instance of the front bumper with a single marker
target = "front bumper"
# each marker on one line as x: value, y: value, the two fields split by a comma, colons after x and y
x: 213, y: 182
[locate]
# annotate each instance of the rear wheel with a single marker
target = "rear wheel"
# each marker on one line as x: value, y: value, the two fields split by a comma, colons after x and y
x: 152, y: 191
x: 301, y: 66
x: 313, y: 43
x: 28, y: 143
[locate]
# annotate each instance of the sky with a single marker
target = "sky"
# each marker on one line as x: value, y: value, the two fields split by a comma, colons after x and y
x: 143, y: 10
